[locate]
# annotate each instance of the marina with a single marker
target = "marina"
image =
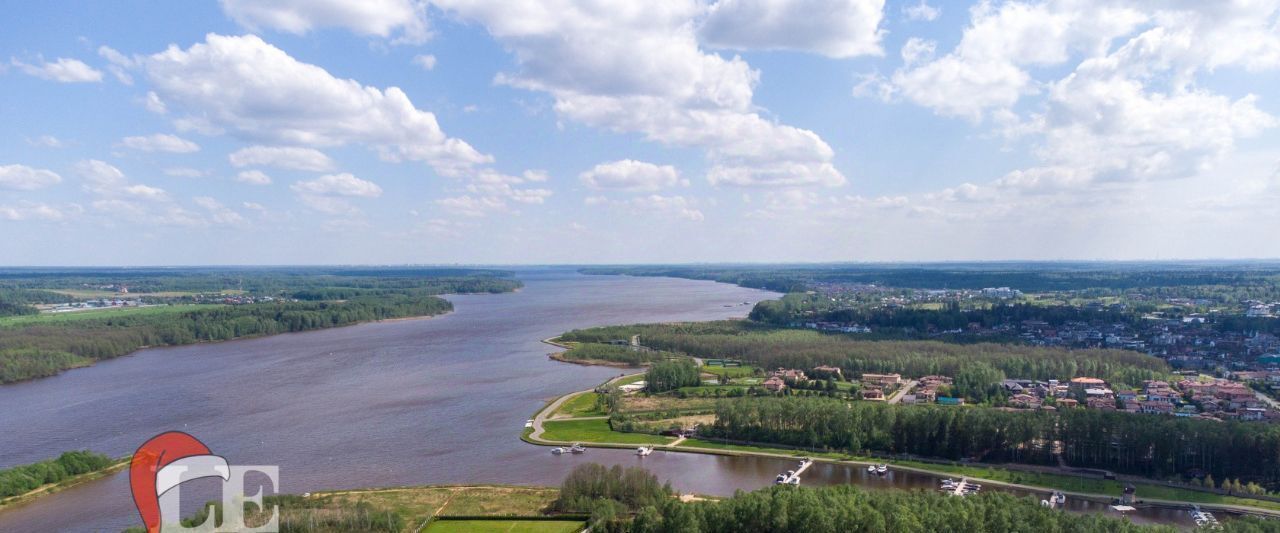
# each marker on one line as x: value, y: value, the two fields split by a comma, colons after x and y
x: 792, y: 477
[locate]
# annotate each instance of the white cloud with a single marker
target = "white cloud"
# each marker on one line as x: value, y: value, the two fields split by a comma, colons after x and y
x: 631, y: 175
x: 62, y: 70
x: 426, y: 61
x: 338, y: 185
x: 491, y: 192
x: 922, y: 11
x: 637, y: 68
x: 253, y: 177
x: 30, y: 211
x: 25, y: 178
x: 289, y: 157
x: 154, y: 104
x: 835, y: 28
x: 46, y: 141
x: 160, y: 142
x: 218, y: 213
x: 258, y: 92
x: 379, y: 18
x: 678, y: 206
x: 104, y: 180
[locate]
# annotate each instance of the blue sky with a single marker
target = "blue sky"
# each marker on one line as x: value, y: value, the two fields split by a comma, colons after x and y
x: 562, y: 131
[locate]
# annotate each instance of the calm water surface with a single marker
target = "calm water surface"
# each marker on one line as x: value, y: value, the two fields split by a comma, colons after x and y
x: 392, y: 403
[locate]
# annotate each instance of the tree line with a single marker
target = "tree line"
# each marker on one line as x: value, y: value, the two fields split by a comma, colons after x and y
x: 770, y: 347
x: 1152, y: 446
x: 26, y: 478
x: 38, y: 350
x: 671, y: 375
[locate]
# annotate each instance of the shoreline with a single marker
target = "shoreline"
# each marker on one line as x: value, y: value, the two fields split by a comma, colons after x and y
x: 534, y: 436
x: 94, y: 362
x: 53, y: 488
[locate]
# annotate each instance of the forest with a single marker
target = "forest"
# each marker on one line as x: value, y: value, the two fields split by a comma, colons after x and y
x: 770, y: 347
x: 1151, y: 446
x: 1185, y: 279
x: 590, y: 351
x: 26, y: 478
x: 302, y: 302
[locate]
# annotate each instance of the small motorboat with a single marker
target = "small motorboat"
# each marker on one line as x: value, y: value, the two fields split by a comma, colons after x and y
x: 578, y: 448
x: 528, y: 423
x: 558, y: 451
x: 1058, y: 499
x: 782, y: 478
x: 882, y: 469
x: 871, y: 469
x: 644, y: 450
x: 794, y: 481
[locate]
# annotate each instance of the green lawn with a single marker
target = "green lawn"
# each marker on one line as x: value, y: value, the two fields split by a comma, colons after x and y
x: 731, y: 371
x: 74, y: 316
x: 630, y: 379
x: 581, y: 405
x: 596, y: 430
x: 495, y: 526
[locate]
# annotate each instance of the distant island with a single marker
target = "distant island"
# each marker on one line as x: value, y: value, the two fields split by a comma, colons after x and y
x: 55, y: 319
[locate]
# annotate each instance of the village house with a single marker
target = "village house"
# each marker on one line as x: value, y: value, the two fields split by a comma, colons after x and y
x: 788, y: 373
x: 774, y: 384
x: 881, y: 380
x: 1156, y: 408
x: 875, y: 395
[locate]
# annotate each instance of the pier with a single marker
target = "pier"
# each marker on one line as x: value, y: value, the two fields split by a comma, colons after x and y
x: 792, y: 477
x: 963, y: 488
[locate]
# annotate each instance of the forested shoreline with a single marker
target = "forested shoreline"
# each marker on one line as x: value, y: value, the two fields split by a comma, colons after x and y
x: 770, y: 347
x: 1152, y: 446
x: 281, y: 302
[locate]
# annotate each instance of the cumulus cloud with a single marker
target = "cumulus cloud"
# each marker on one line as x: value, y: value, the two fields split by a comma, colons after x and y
x: 835, y: 28
x: 258, y: 92
x: 105, y: 180
x: 218, y: 213
x: 25, y: 178
x: 677, y: 206
x: 637, y: 68
x: 631, y: 175
x: 46, y: 141
x: 30, y: 211
x: 426, y: 61
x: 922, y: 11
x: 253, y: 177
x: 160, y: 142
x: 490, y: 191
x: 379, y: 18
x: 330, y: 194
x: 339, y: 185
x: 62, y: 70
x: 289, y: 157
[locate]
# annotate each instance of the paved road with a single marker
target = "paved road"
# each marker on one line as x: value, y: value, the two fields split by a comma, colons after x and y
x: 906, y: 387
x: 546, y: 413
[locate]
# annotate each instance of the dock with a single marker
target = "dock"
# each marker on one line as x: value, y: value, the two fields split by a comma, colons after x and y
x: 963, y: 488
x: 792, y: 477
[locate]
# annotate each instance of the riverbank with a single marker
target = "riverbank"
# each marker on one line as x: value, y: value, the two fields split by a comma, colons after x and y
x: 50, y: 488
x: 594, y: 432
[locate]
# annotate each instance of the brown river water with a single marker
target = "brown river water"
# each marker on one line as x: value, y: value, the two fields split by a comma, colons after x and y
x: 413, y: 402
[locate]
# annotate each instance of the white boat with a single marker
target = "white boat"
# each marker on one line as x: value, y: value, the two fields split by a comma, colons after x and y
x: 558, y: 451
x: 578, y: 448
x: 871, y: 468
x: 644, y: 450
x: 881, y: 469
x: 1058, y: 499
x: 528, y: 423
x: 782, y: 478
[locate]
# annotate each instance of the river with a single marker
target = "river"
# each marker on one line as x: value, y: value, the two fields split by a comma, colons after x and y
x: 411, y: 402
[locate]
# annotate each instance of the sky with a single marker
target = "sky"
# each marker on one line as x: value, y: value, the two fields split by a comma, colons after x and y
x: 614, y: 131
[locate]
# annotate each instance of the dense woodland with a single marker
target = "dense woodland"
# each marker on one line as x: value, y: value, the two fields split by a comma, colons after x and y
x: 1153, y: 446
x: 1224, y: 281
x: 33, y: 349
x: 773, y: 348
x: 670, y: 375
x: 26, y: 478
x: 590, y: 351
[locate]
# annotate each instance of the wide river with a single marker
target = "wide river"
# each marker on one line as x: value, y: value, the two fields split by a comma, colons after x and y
x: 431, y: 401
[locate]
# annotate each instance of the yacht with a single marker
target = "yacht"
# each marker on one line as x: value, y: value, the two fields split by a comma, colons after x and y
x: 871, y: 469
x: 578, y: 448
x: 558, y: 451
x: 882, y: 469
x: 644, y: 450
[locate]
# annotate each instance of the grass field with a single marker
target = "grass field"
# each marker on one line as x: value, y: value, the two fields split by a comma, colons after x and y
x: 731, y: 371
x: 581, y: 405
x: 495, y: 526
x: 417, y: 504
x: 596, y: 430
x: 74, y: 316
